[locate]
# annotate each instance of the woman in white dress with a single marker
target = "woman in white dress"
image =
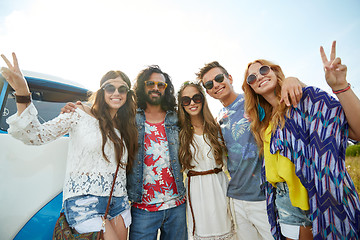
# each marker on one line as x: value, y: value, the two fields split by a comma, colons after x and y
x: 202, y: 155
x: 100, y: 138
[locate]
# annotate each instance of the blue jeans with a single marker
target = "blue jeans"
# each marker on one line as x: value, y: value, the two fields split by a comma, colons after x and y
x: 171, y: 222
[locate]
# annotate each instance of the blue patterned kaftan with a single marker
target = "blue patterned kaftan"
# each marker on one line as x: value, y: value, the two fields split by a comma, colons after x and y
x: 314, y: 138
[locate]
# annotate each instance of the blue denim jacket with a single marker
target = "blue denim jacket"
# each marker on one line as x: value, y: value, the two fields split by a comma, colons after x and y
x: 135, y: 176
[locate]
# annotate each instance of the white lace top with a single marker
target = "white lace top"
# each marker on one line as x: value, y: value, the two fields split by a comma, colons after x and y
x: 87, y: 172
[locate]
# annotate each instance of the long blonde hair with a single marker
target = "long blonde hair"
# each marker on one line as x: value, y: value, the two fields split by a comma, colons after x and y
x: 186, y: 136
x: 252, y: 100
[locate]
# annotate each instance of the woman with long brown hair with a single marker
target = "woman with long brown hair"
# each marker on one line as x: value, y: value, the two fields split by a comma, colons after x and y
x: 310, y: 194
x: 202, y: 156
x: 100, y: 138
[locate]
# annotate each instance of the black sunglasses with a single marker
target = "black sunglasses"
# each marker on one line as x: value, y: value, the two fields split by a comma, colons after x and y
x: 210, y: 84
x: 197, y: 98
x: 252, y: 77
x: 110, y: 89
x: 151, y: 84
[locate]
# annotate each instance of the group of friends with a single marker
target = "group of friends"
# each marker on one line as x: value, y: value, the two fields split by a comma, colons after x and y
x: 286, y: 161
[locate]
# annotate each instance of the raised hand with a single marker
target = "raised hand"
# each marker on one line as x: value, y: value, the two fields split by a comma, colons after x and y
x: 14, y: 76
x: 335, y: 72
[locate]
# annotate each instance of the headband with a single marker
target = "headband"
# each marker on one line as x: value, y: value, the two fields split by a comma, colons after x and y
x: 106, y: 82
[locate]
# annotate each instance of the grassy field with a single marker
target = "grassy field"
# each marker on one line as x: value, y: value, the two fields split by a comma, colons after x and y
x: 353, y: 167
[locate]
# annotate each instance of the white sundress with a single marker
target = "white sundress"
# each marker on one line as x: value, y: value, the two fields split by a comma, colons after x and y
x: 210, y: 205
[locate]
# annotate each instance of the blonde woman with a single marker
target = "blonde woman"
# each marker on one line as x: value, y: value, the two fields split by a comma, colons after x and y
x: 310, y: 193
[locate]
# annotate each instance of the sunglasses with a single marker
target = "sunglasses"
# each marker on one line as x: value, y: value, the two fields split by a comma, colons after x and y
x: 151, y: 84
x: 110, y: 89
x: 210, y: 84
x: 252, y: 77
x: 197, y: 98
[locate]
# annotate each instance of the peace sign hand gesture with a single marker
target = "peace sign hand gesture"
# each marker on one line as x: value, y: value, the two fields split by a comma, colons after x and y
x: 14, y: 77
x: 335, y: 72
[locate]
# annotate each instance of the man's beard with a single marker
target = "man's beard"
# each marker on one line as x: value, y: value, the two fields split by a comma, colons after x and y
x: 153, y: 100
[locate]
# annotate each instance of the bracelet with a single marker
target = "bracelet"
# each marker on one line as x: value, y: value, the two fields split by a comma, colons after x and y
x: 342, y: 90
x: 23, y: 99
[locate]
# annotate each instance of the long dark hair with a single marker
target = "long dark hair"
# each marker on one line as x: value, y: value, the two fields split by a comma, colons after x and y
x: 168, y: 102
x: 186, y: 136
x: 124, y: 121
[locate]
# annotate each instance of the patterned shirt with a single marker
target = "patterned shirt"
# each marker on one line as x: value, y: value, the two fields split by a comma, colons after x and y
x: 159, y: 186
x: 243, y: 163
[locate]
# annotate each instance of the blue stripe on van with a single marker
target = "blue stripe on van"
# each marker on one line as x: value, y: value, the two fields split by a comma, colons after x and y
x: 41, y: 225
x: 52, y: 84
x: 3, y: 91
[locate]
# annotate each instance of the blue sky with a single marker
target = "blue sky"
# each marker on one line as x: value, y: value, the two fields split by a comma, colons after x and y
x: 81, y: 40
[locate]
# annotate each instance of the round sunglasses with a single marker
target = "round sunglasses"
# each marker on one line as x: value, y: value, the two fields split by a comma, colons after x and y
x: 210, y: 84
x: 197, y: 98
x: 160, y: 85
x: 263, y: 70
x: 110, y: 89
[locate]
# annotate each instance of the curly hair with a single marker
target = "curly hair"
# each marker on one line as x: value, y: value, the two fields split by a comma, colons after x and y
x: 168, y: 102
x: 124, y: 121
x: 211, y: 131
x: 252, y: 100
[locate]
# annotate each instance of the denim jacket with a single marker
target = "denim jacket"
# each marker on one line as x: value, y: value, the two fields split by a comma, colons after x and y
x: 135, y: 176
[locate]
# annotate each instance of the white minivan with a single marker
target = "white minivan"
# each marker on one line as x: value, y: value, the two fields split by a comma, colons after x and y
x: 31, y: 177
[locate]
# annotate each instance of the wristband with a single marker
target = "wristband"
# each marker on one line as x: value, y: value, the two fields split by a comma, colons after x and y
x: 23, y: 99
x: 342, y: 90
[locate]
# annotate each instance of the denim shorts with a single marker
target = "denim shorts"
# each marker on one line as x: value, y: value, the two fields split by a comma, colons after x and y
x: 288, y: 214
x: 82, y: 208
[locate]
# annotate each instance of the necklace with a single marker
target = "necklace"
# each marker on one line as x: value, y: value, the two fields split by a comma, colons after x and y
x: 198, y: 126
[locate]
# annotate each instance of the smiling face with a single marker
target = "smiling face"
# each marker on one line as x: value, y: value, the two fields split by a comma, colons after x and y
x: 154, y: 93
x: 193, y: 109
x: 115, y: 100
x: 264, y: 84
x: 220, y: 90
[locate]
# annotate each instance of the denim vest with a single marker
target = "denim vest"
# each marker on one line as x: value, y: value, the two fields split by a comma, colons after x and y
x: 135, y: 176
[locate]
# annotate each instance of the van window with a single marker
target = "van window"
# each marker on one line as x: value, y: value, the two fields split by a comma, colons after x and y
x: 48, y: 102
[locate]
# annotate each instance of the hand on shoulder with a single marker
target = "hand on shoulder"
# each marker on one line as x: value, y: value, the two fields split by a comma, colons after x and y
x: 70, y: 107
x: 86, y: 108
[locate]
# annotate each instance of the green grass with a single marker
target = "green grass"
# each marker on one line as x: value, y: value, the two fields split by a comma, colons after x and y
x: 353, y: 167
x: 353, y: 150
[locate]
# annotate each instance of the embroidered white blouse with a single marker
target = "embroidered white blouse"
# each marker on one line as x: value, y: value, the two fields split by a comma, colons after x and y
x: 87, y: 172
